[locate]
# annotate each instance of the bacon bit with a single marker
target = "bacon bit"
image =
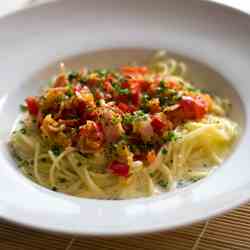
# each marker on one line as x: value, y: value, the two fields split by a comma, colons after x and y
x: 119, y: 169
x: 154, y: 105
x: 158, y: 125
x: 126, y: 108
x: 61, y: 80
x: 32, y: 105
x: 128, y: 70
x: 77, y: 88
x: 151, y: 156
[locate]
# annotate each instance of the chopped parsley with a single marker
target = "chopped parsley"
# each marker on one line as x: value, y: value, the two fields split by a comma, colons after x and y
x: 98, y: 103
x: 162, y: 88
x: 120, y: 90
x: 23, y: 131
x: 23, y: 108
x: 152, y: 174
x: 145, y: 98
x: 62, y: 180
x: 163, y: 184
x: 164, y: 151
x: 56, y: 150
x: 69, y: 92
x: 195, y: 178
x: 72, y: 75
x: 140, y: 115
x: 115, y: 120
x: 102, y: 72
x: 171, y: 136
x: 128, y: 119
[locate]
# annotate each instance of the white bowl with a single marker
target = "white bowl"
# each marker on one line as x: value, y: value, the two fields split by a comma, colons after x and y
x: 215, y: 40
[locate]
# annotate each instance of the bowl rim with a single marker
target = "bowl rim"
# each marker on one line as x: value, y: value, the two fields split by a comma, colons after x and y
x: 241, y: 197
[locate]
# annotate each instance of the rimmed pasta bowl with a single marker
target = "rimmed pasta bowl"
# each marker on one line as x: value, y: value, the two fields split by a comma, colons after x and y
x: 190, y: 38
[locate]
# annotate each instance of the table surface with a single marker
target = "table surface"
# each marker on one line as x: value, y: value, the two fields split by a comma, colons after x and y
x: 227, y: 232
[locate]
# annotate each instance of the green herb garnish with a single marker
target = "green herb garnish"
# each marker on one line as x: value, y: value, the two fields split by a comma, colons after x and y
x: 152, y: 174
x: 171, y: 136
x: 163, y: 184
x: 128, y: 119
x: 23, y: 130
x: 23, y: 108
x: 120, y: 90
x: 56, y: 150
x: 164, y: 151
x: 72, y: 75
x: 115, y: 120
x: 102, y: 72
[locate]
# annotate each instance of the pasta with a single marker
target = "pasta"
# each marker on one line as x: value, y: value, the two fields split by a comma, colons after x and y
x: 122, y: 133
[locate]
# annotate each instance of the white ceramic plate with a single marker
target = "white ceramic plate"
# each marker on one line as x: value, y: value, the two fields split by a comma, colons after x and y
x: 215, y: 40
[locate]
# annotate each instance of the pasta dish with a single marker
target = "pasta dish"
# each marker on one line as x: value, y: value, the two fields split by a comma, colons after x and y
x: 121, y: 133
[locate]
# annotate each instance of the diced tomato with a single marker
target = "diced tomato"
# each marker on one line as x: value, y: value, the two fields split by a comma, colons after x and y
x: 119, y: 169
x: 92, y: 115
x: 125, y: 85
x: 122, y: 98
x: 128, y: 70
x: 158, y: 125
x: 192, y: 108
x: 126, y: 108
x: 32, y: 105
